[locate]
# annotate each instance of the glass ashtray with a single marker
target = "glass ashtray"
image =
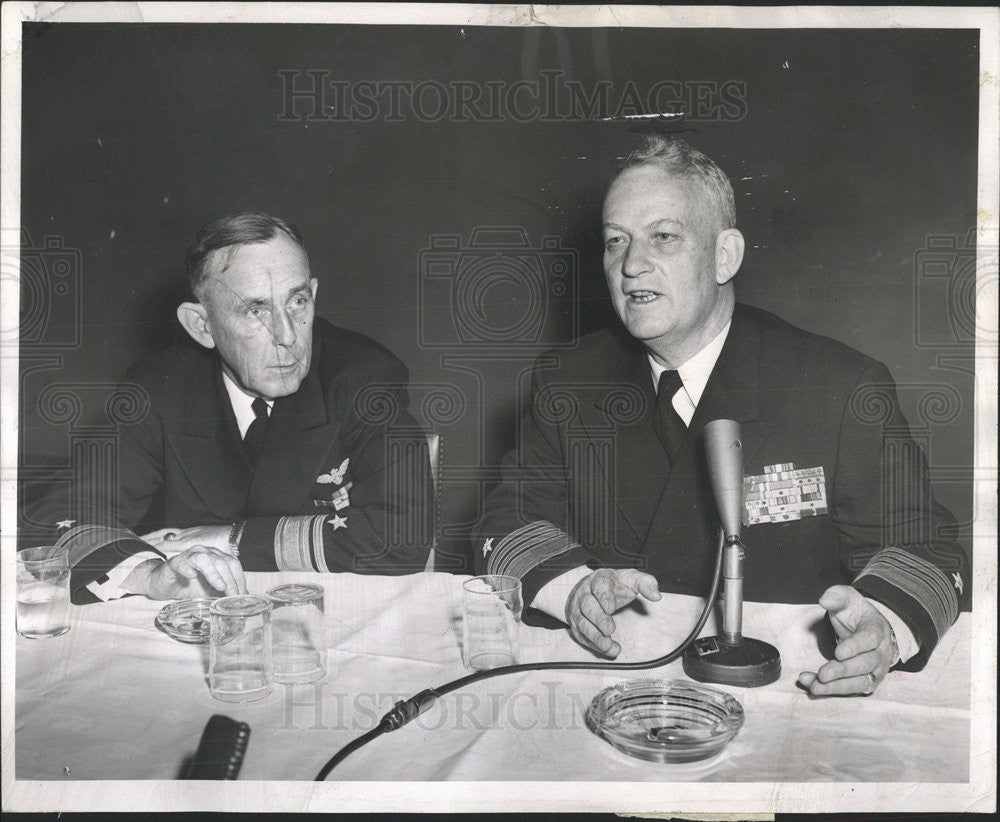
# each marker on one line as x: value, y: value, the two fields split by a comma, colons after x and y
x: 665, y: 720
x: 188, y: 620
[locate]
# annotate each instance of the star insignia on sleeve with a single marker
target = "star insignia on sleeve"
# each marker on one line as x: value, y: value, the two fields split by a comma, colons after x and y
x: 487, y: 546
x: 338, y: 522
x: 958, y: 582
x: 65, y: 523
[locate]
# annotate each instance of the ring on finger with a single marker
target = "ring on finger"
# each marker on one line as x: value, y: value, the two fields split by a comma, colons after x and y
x: 872, y: 682
x: 169, y: 535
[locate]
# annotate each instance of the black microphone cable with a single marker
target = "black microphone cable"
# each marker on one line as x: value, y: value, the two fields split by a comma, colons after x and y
x: 407, y: 710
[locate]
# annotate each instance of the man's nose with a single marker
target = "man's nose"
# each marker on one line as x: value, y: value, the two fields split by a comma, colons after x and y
x: 283, y: 330
x: 635, y: 260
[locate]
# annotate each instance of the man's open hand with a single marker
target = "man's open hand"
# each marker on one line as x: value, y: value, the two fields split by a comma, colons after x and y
x: 864, y: 651
x: 599, y: 595
x: 197, y: 572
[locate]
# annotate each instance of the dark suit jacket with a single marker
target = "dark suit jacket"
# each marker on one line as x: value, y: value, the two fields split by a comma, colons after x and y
x: 183, y: 464
x: 590, y: 463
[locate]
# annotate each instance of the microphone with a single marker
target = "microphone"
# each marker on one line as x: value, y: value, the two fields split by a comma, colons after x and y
x: 730, y: 658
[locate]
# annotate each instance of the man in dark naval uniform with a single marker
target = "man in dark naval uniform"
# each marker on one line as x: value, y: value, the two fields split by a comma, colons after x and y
x: 278, y: 442
x: 607, y: 496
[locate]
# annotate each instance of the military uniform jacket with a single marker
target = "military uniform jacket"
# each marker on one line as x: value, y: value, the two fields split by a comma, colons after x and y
x: 342, y: 484
x: 590, y: 482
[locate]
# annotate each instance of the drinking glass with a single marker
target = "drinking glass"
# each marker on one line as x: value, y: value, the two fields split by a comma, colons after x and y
x: 298, y: 649
x: 491, y: 617
x: 240, y: 668
x: 42, y: 592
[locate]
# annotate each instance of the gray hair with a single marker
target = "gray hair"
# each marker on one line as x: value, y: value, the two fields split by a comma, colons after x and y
x: 244, y: 228
x: 679, y: 159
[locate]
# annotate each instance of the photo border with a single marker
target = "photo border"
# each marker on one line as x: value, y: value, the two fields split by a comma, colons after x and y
x: 978, y: 795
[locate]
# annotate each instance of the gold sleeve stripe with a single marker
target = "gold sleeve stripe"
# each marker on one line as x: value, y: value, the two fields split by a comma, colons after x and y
x: 294, y: 541
x: 917, y: 578
x: 521, y: 550
x: 278, y: 530
x: 319, y: 556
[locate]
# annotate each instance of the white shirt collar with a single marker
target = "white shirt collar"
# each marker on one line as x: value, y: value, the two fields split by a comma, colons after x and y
x: 694, y: 374
x: 241, y: 402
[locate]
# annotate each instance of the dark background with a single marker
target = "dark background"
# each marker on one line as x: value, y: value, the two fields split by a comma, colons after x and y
x: 850, y: 152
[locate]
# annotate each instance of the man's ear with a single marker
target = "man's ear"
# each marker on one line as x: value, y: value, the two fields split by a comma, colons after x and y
x: 729, y: 246
x: 194, y: 318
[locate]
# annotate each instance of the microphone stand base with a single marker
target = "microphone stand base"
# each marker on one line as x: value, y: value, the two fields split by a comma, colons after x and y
x: 748, y: 664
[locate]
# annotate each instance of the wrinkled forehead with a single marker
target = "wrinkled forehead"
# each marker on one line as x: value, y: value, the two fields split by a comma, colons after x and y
x: 649, y: 192
x: 257, y: 270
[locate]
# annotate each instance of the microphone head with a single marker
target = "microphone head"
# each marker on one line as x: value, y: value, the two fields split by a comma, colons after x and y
x: 725, y: 470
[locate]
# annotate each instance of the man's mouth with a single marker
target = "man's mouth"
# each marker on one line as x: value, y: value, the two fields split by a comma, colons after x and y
x: 641, y: 297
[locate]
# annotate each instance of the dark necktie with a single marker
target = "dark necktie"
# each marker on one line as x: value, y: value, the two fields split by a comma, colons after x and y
x: 253, y: 442
x: 670, y: 428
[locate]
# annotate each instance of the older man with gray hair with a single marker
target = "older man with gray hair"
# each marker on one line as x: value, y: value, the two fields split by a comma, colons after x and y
x: 262, y: 447
x: 607, y: 496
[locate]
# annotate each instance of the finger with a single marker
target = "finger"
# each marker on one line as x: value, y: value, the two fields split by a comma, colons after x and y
x: 806, y: 679
x: 584, y: 632
x: 835, y: 598
x: 181, y: 565
x: 856, y: 666
x: 623, y: 594
x: 171, y: 549
x: 156, y: 535
x: 171, y: 544
x: 235, y: 573
x: 225, y: 571
x: 181, y: 539
x: 843, y: 687
x: 866, y: 638
x: 592, y: 610
x: 603, y: 589
x: 241, y: 581
x: 588, y: 635
x: 207, y: 566
x: 647, y: 585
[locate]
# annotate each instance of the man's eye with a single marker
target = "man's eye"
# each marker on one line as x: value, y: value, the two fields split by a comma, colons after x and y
x: 255, y: 311
x: 664, y: 236
x: 612, y: 242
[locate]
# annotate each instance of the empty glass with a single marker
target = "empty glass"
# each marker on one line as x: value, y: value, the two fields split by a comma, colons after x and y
x: 298, y: 649
x: 42, y: 592
x: 491, y: 618
x: 240, y: 668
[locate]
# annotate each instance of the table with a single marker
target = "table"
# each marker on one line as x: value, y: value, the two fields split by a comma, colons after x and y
x: 115, y: 698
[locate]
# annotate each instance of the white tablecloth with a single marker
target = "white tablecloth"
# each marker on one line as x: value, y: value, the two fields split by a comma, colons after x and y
x: 115, y: 698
